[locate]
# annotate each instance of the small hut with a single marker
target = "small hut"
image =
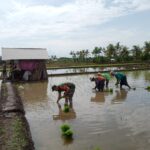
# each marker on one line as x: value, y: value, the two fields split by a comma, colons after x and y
x: 25, y: 64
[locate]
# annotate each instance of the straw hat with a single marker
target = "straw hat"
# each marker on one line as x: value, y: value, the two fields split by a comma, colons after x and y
x: 99, y: 74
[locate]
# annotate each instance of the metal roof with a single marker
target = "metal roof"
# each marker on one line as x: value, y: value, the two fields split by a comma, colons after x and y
x: 24, y: 53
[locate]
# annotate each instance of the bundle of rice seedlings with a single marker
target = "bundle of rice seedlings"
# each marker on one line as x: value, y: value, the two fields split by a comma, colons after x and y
x: 66, y: 131
x: 66, y: 108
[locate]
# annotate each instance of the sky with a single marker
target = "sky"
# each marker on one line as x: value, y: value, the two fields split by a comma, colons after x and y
x: 62, y: 26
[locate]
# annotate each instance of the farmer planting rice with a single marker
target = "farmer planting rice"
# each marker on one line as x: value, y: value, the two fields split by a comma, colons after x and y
x: 68, y: 90
x: 99, y: 83
x: 121, y: 79
x: 106, y: 76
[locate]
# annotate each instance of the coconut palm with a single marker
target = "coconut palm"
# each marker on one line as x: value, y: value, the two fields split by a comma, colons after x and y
x: 146, y: 53
x: 124, y: 54
x: 136, y: 52
x: 111, y: 51
x: 96, y: 51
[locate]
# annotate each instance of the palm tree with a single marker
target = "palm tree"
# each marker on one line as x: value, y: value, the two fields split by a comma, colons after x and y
x: 96, y: 51
x: 111, y: 51
x: 73, y: 54
x: 86, y: 54
x: 124, y: 54
x: 136, y: 52
x: 146, y: 53
x: 147, y: 47
x: 118, y: 48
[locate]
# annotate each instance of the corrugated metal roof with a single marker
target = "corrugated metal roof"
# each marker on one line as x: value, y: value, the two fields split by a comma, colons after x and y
x: 24, y: 53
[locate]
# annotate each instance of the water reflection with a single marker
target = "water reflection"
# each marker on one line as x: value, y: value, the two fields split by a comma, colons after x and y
x: 33, y: 92
x: 120, y: 96
x: 136, y: 74
x: 79, y: 70
x: 67, y: 141
x: 65, y: 115
x: 96, y: 124
x: 147, y: 76
x: 99, y: 97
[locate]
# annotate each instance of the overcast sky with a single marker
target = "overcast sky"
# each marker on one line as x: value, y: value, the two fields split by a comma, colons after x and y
x: 65, y: 25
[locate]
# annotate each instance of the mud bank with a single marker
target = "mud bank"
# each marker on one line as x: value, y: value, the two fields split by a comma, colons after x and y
x: 14, y: 129
x: 92, y: 72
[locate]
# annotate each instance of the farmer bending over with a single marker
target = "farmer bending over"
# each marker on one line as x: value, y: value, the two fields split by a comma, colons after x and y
x: 99, y: 82
x: 106, y: 76
x: 121, y: 79
x: 68, y: 90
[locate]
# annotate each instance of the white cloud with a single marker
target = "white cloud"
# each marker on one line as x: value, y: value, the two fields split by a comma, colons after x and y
x: 49, y: 25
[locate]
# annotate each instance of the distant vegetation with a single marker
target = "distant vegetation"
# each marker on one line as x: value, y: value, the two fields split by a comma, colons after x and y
x: 111, y: 54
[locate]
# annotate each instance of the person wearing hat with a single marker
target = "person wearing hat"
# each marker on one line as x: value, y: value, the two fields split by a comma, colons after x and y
x: 121, y: 79
x: 68, y: 90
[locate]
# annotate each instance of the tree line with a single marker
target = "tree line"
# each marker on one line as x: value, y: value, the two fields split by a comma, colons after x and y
x: 114, y: 52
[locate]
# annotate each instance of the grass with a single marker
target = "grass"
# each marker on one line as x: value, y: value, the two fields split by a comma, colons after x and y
x: 2, y: 131
x: 59, y: 65
x: 4, y: 89
x: 97, y: 148
x: 18, y: 140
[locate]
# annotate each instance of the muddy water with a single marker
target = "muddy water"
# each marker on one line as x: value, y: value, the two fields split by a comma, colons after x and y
x: 117, y: 121
x: 81, y: 70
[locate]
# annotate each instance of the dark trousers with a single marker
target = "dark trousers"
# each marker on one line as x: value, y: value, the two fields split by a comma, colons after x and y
x: 100, y: 85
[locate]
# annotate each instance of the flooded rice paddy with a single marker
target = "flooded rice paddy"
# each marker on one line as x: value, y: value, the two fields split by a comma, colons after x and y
x: 86, y: 70
x: 108, y: 121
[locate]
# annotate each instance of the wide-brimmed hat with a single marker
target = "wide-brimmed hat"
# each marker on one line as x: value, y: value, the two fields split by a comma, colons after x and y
x: 99, y: 74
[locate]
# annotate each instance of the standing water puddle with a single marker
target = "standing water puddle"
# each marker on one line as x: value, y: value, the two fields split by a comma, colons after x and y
x: 117, y: 121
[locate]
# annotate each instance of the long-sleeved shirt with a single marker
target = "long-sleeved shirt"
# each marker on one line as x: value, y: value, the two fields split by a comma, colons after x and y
x: 106, y: 76
x: 119, y: 75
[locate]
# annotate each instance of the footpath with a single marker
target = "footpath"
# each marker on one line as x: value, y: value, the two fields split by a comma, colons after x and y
x: 14, y: 129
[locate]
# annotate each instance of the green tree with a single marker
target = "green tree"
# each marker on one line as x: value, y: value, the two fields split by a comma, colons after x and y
x: 111, y: 51
x: 124, y: 53
x: 146, y: 52
x: 97, y: 51
x: 136, y: 52
x: 73, y: 54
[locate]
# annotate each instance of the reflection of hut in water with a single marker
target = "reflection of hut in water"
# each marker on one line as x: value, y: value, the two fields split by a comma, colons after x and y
x: 33, y: 92
x: 25, y: 64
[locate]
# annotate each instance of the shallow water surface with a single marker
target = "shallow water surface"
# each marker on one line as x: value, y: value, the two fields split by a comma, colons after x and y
x: 110, y: 121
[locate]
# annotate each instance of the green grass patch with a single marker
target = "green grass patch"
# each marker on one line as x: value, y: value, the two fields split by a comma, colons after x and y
x: 96, y: 148
x: 18, y: 140
x: 2, y: 131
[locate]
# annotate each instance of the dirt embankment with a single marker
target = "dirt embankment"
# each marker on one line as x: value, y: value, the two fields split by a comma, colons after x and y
x: 14, y: 129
